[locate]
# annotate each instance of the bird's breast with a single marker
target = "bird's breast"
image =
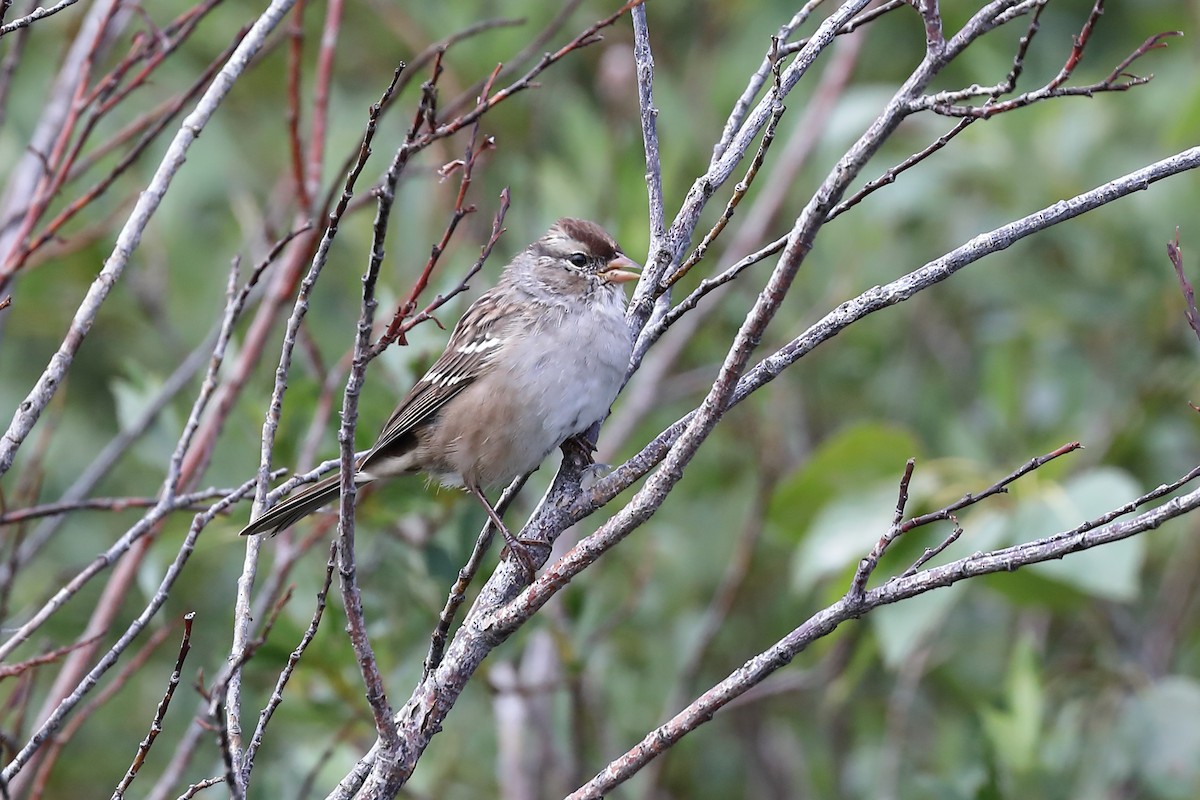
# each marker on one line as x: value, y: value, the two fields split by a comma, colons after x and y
x: 544, y: 387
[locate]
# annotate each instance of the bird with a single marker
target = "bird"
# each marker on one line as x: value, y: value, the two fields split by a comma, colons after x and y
x: 536, y: 361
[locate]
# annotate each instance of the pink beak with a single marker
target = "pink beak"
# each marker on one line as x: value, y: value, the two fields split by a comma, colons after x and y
x: 619, y: 270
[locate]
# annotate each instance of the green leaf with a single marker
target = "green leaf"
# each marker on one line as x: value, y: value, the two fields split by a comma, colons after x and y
x: 1162, y: 726
x: 843, y: 532
x: 1015, y: 731
x: 901, y: 628
x: 1111, y: 572
x: 864, y: 453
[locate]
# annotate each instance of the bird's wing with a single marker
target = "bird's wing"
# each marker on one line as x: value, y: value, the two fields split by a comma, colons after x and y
x: 472, y: 347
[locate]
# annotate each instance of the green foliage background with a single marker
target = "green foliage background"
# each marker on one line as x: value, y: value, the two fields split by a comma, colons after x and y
x: 1074, y: 679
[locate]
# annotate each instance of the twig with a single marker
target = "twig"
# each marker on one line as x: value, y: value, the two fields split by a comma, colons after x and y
x: 1077, y: 46
x: 770, y: 198
x: 710, y: 284
x: 999, y: 487
x: 535, y: 47
x: 52, y: 723
x: 100, y: 24
x: 132, y: 666
x: 276, y: 698
x: 242, y: 606
x: 679, y: 234
x: 195, y: 788
x: 229, y: 758
x: 34, y: 16
x: 466, y: 167
x: 156, y: 724
x: 320, y: 100
x: 458, y: 591
x: 739, y: 191
x: 1175, y: 253
x: 182, y: 503
x: 295, y: 37
x: 900, y: 526
x: 133, y: 545
x: 347, y: 568
x: 869, y: 15
x: 127, y: 241
x: 758, y: 79
x: 440, y: 300
x: 13, y: 670
x: 933, y: 552
x: 949, y: 103
x: 867, y: 565
x: 235, y: 302
x: 643, y: 57
x: 849, y: 607
x: 1004, y: 87
x: 97, y: 101
x: 148, y: 137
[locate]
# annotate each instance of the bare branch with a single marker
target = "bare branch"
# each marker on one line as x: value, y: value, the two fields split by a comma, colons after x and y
x: 1175, y: 253
x: 34, y: 16
x: 264, y: 716
x: 127, y: 241
x: 160, y: 712
x: 52, y: 723
x: 854, y: 606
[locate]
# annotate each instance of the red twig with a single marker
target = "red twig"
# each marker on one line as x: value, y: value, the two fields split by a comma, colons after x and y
x: 484, y: 252
x: 1175, y: 253
x: 101, y: 99
x: 1078, y: 44
x: 1004, y: 87
x: 466, y: 166
x: 100, y: 187
x: 950, y: 103
x: 295, y: 143
x: 44, y: 187
x: 320, y: 104
x: 589, y: 36
x: 12, y: 670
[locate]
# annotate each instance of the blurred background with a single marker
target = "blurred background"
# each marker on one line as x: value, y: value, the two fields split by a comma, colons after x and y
x: 1079, y: 678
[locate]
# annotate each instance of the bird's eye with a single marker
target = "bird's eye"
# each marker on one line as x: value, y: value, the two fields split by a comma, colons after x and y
x: 578, y: 259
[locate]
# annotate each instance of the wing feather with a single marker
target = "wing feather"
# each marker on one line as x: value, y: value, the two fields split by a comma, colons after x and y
x: 472, y: 347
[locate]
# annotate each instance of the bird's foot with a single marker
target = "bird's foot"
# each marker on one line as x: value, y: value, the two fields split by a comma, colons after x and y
x: 592, y: 474
x: 522, y: 552
x: 581, y: 447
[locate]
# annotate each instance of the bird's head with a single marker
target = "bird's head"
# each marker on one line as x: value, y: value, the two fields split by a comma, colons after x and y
x: 577, y: 257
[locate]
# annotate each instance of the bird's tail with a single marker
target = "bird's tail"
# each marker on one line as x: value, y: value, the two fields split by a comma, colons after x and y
x: 295, y: 508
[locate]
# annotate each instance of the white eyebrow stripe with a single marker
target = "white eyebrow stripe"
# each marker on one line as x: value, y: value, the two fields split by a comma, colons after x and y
x: 486, y: 343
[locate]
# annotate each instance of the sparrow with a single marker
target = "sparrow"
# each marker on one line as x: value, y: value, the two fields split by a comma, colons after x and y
x: 538, y: 359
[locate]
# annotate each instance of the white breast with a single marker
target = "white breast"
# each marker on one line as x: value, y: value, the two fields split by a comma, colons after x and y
x: 573, y: 369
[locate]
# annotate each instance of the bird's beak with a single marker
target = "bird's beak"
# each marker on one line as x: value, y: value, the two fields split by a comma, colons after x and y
x: 621, y: 269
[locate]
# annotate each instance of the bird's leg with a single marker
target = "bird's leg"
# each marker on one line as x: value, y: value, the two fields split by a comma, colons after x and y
x: 581, y: 446
x: 515, y: 546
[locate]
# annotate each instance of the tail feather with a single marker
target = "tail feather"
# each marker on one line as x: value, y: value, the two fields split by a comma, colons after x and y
x: 295, y: 508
